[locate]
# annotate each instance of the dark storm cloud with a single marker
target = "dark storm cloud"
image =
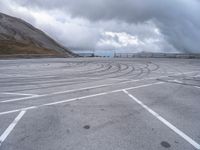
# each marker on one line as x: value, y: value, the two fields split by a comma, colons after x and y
x: 177, y: 20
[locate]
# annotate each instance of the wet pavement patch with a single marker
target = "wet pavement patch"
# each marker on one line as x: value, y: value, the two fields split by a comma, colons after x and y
x: 165, y: 144
x: 86, y: 127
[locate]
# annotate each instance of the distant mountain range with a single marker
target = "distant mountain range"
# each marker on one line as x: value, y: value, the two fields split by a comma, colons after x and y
x: 18, y: 37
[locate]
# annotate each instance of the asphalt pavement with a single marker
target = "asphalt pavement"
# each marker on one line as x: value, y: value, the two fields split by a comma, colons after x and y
x: 100, y: 104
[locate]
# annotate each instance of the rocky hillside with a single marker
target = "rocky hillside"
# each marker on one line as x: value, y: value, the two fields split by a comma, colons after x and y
x: 19, y: 37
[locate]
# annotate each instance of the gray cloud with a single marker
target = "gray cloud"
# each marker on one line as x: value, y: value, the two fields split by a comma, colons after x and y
x: 159, y: 25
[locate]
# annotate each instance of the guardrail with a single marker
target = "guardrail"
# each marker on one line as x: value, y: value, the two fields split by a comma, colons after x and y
x: 156, y: 55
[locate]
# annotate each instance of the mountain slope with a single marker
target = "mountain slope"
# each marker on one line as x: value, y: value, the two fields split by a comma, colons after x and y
x: 19, y: 37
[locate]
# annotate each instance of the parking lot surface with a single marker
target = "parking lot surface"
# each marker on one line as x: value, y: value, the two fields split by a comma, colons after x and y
x: 100, y: 104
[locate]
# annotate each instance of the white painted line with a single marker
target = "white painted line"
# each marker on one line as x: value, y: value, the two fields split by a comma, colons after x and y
x: 176, y: 81
x: 198, y: 87
x: 141, y: 86
x: 61, y: 92
x: 88, y: 88
x: 17, y: 110
x: 77, y: 98
x: 153, y: 78
x: 55, y: 93
x: 19, y: 99
x: 74, y: 99
x: 168, y: 124
x: 23, y: 94
x: 100, y: 94
x: 15, y: 75
x: 183, y: 73
x: 197, y: 76
x: 11, y: 127
x: 74, y: 90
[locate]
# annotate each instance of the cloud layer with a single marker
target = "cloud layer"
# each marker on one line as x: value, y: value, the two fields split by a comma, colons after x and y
x: 128, y: 25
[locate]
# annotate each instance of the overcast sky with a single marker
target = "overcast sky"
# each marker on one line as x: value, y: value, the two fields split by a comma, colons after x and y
x: 126, y: 25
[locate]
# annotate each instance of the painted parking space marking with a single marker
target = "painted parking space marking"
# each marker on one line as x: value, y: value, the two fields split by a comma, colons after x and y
x: 11, y: 127
x: 91, y: 87
x: 78, y: 98
x: 164, y: 121
x: 23, y: 94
